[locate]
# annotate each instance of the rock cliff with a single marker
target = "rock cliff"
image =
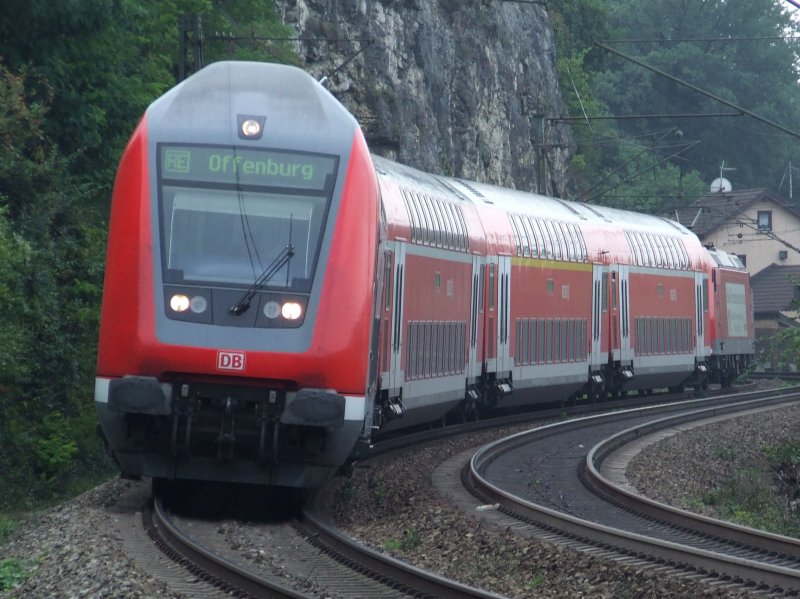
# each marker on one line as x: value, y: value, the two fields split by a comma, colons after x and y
x: 457, y: 87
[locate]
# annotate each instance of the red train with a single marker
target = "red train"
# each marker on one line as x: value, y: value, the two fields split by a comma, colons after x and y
x: 275, y: 296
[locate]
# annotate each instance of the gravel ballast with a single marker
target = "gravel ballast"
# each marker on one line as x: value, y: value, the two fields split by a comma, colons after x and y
x: 78, y: 549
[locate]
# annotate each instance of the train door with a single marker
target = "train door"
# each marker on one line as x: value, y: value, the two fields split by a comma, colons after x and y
x: 385, y: 342
x: 596, y: 351
x: 476, y: 323
x: 504, y: 363
x: 701, y: 314
x: 612, y: 301
x: 396, y: 352
x: 490, y: 315
x: 623, y: 277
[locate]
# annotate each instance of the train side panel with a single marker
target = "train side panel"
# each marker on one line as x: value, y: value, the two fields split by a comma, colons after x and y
x: 662, y: 321
x: 732, y: 327
x: 428, y: 305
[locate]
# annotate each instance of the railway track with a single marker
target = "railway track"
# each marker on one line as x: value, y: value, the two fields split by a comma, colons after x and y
x: 564, y: 481
x: 321, y: 557
x: 312, y: 557
x: 315, y: 560
x: 306, y: 557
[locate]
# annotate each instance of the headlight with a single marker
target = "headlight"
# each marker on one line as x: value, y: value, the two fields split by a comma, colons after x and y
x: 251, y: 128
x: 291, y: 310
x: 179, y: 302
x: 272, y: 310
x: 198, y: 304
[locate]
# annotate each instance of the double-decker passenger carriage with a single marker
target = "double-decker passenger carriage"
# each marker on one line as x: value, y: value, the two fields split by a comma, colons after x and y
x: 567, y: 299
x: 275, y: 297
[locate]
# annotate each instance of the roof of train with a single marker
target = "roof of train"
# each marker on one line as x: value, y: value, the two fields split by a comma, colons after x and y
x: 521, y: 202
x: 604, y: 228
x: 294, y: 107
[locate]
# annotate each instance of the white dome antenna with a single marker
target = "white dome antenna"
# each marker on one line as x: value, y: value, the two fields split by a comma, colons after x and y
x: 721, y: 184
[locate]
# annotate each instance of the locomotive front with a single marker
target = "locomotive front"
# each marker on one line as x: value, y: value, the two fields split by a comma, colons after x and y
x: 236, y: 323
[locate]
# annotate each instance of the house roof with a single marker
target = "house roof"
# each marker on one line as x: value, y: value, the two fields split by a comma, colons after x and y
x: 775, y: 289
x: 709, y: 212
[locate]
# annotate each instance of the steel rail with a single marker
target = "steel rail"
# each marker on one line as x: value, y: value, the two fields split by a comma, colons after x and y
x: 348, y: 550
x: 386, y: 566
x: 213, y: 568
x: 768, y: 543
x: 728, y: 567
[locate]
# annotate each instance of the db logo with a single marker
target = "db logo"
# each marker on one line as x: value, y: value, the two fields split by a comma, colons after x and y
x: 229, y: 360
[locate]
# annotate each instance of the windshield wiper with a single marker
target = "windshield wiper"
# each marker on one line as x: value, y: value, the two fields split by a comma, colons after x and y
x: 277, y: 264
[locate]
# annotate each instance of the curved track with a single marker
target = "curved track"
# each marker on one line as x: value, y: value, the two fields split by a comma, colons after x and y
x: 316, y: 559
x: 199, y: 559
x: 309, y: 558
x: 554, y: 477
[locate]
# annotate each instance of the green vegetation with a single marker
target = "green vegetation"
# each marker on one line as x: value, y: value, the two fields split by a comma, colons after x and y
x: 780, y: 350
x: 7, y: 524
x: 726, y: 453
x: 67, y: 108
x: 763, y: 500
x: 647, y: 158
x: 535, y: 582
x: 378, y: 495
x: 409, y: 542
x: 12, y: 573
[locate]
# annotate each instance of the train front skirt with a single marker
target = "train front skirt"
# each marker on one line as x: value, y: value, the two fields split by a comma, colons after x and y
x: 300, y: 440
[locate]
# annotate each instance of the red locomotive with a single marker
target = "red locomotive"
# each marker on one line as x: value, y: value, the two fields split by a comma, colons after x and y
x: 275, y: 296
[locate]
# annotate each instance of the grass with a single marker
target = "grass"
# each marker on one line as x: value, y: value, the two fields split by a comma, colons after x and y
x: 752, y: 497
x: 727, y: 454
x: 535, y: 582
x: 409, y: 542
x: 12, y: 573
x: 12, y: 570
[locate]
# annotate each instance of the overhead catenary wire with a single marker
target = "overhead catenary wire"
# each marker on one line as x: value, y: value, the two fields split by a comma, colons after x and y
x: 644, y: 170
x: 619, y: 168
x: 693, y: 87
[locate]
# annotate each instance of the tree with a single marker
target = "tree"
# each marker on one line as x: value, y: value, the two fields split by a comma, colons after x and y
x: 67, y: 108
x: 733, y: 49
x: 104, y: 62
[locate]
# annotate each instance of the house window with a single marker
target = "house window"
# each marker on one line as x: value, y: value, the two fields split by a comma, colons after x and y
x: 765, y: 220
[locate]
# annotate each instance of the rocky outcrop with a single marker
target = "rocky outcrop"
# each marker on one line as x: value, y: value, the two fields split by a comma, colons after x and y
x: 448, y: 86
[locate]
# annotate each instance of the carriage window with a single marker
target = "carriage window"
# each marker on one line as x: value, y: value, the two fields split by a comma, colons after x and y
x: 228, y: 212
x: 231, y: 237
x: 491, y: 287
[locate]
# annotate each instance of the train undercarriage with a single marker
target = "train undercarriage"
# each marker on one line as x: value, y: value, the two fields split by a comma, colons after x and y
x: 226, y: 432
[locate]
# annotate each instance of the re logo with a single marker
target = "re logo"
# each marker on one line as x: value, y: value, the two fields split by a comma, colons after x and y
x: 230, y: 360
x: 177, y: 161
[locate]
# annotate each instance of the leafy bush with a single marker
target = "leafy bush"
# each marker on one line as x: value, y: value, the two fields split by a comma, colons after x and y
x: 750, y: 498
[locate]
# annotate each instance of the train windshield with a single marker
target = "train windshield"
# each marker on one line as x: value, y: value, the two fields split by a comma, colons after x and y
x: 225, y: 220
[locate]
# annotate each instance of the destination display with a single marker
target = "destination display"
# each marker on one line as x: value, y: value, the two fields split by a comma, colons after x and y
x: 246, y: 166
